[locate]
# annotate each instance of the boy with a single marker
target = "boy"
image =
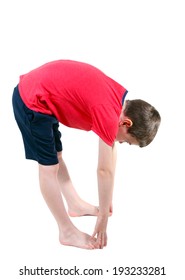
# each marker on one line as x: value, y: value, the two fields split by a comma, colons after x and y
x: 80, y: 96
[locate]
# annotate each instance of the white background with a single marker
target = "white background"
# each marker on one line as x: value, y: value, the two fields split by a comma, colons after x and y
x: 141, y: 45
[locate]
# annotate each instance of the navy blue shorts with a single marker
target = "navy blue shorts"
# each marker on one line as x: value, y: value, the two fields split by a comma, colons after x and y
x: 40, y: 133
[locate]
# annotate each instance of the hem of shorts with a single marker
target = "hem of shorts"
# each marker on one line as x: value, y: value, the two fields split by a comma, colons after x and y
x: 43, y: 162
x: 48, y: 163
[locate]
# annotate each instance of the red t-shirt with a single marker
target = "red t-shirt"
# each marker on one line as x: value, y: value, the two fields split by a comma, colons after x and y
x: 77, y: 94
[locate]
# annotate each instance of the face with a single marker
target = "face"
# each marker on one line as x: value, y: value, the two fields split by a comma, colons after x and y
x: 123, y: 136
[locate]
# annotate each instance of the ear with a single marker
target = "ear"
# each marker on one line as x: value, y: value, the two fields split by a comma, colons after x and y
x: 128, y: 122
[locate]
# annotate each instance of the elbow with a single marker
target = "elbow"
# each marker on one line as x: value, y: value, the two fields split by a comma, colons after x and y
x: 104, y: 172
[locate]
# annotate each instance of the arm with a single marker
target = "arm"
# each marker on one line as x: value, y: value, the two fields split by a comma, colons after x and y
x: 105, y: 175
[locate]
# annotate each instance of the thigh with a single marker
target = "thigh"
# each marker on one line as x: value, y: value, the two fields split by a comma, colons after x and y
x: 47, y: 137
x: 40, y: 132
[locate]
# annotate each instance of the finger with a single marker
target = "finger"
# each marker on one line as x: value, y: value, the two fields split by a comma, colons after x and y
x: 93, y: 235
x: 91, y: 246
x: 100, y: 240
x: 92, y: 242
x: 97, y: 243
x: 103, y: 240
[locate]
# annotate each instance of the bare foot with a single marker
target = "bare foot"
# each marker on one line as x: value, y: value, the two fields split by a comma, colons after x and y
x: 77, y: 239
x: 83, y: 209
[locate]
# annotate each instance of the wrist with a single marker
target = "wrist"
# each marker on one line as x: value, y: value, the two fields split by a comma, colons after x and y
x: 103, y: 214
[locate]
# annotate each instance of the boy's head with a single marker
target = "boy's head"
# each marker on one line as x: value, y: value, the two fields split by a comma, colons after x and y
x: 139, y: 123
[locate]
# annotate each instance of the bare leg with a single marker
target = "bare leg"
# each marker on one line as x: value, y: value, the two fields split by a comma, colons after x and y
x: 68, y: 233
x: 76, y: 206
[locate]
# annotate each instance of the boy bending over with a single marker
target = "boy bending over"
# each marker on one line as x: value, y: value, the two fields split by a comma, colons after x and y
x: 80, y: 96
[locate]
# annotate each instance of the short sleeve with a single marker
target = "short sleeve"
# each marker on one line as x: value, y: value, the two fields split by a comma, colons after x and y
x: 105, y: 122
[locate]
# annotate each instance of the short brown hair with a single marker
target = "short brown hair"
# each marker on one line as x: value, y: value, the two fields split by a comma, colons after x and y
x: 146, y: 120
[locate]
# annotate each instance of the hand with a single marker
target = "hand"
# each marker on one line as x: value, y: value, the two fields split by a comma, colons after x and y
x: 100, y: 232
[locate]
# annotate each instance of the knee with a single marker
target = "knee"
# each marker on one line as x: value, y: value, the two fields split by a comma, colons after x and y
x: 48, y: 170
